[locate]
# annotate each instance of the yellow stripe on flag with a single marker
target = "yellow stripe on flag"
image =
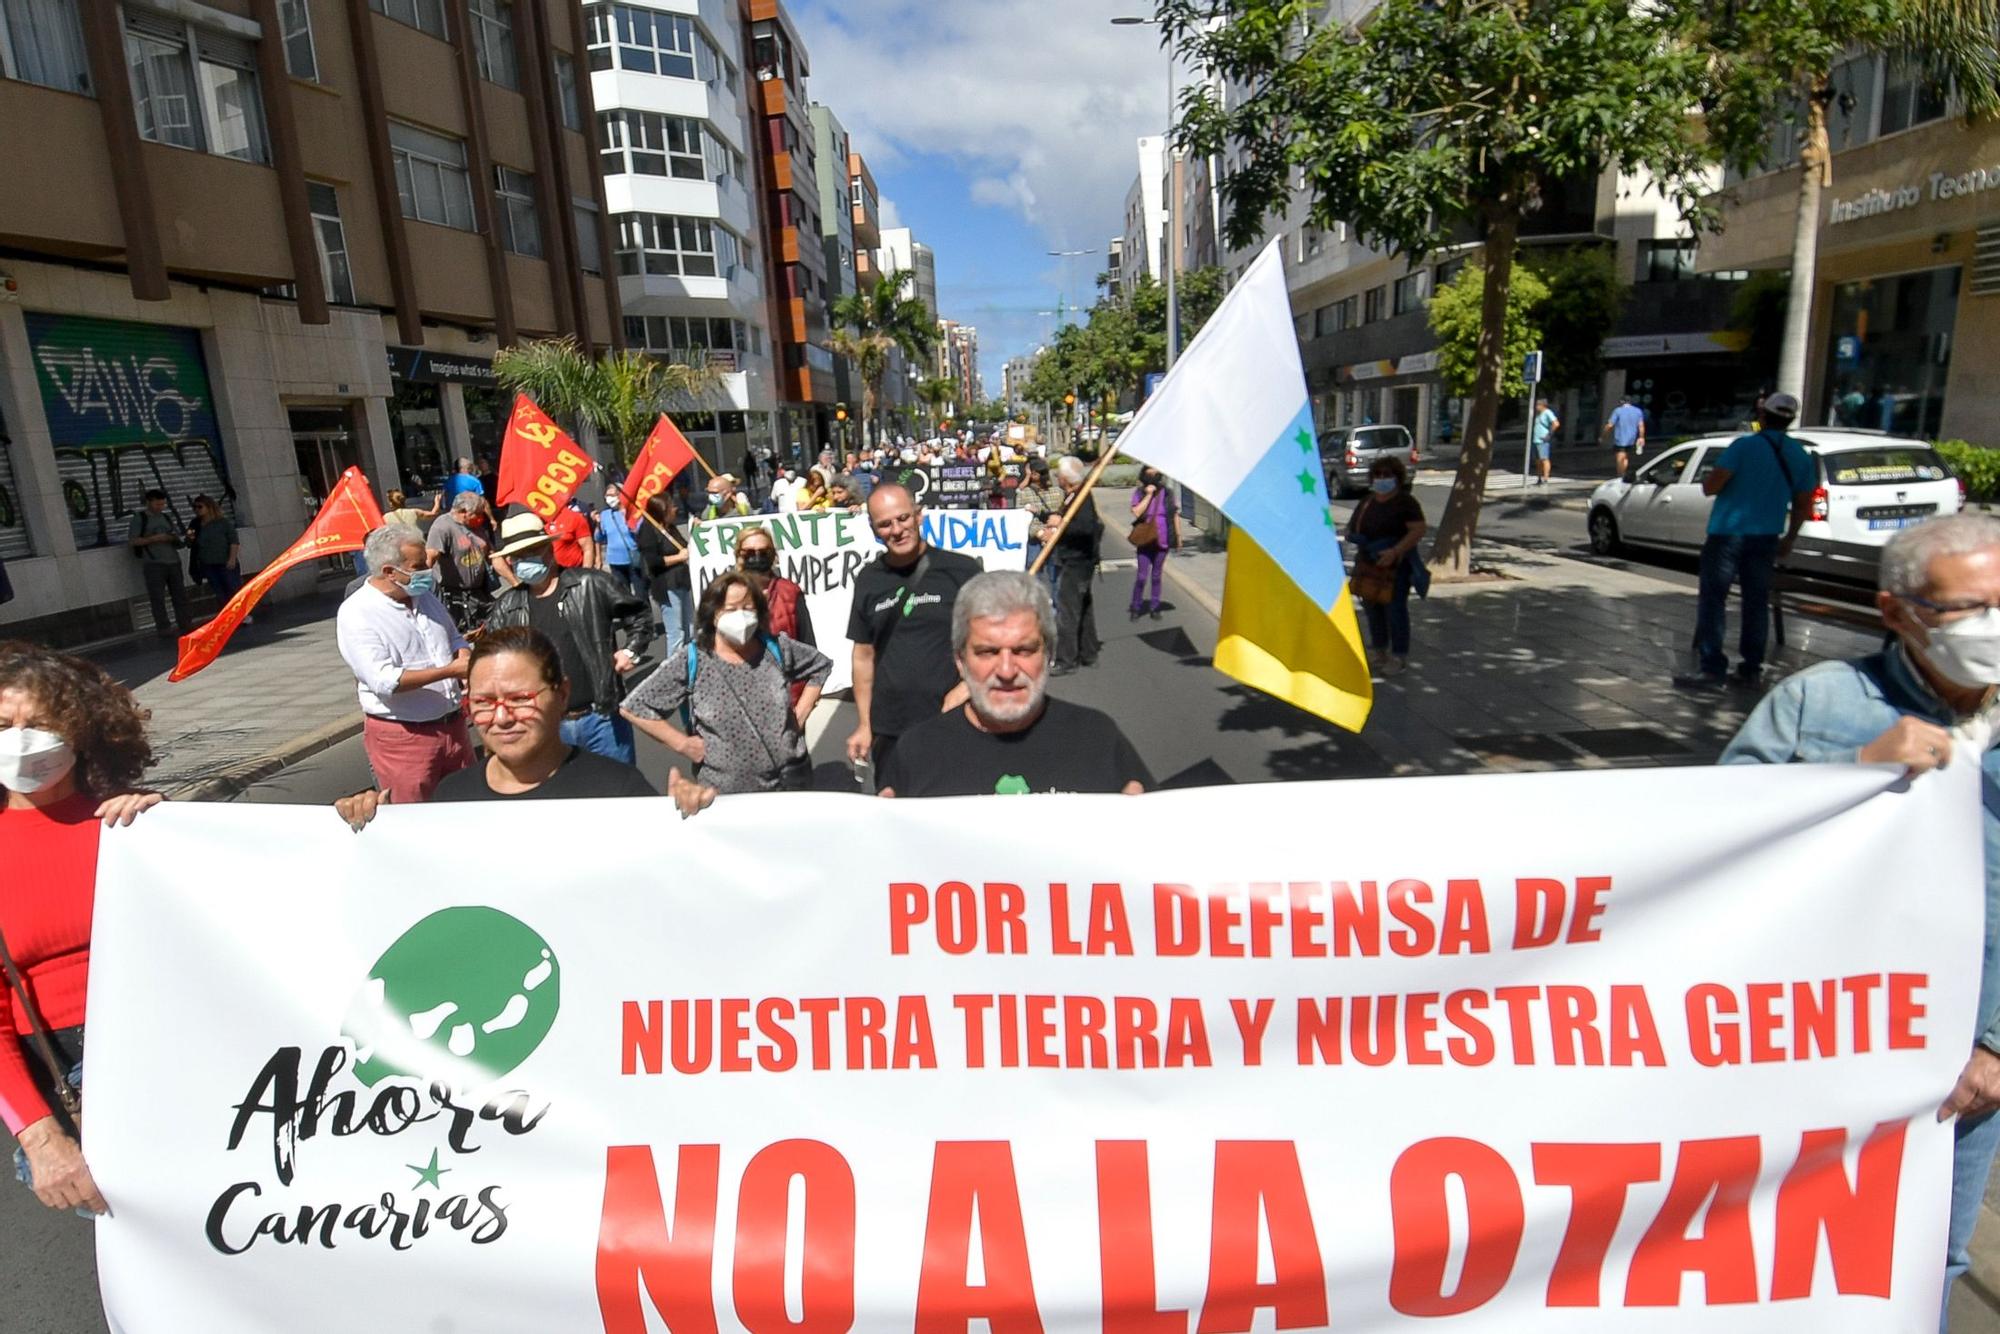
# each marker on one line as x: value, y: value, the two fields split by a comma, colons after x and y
x: 1275, y: 640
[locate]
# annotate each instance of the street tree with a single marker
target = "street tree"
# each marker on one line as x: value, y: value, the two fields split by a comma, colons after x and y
x: 620, y: 394
x: 1438, y: 121
x: 938, y: 395
x: 1583, y: 297
x: 870, y: 326
x: 1775, y: 62
x: 1455, y: 315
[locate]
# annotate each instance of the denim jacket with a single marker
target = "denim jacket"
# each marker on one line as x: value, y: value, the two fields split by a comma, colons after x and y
x: 1826, y: 714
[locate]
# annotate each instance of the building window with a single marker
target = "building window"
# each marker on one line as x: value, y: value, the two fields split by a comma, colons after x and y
x: 572, y: 108
x: 673, y: 334
x: 1666, y: 261
x: 1371, y: 305
x: 1408, y: 294
x: 648, y: 42
x: 194, y: 88
x: 331, y: 239
x: 301, y: 62
x: 589, y: 254
x: 493, y: 41
x: 1322, y: 321
x: 1908, y: 98
x: 431, y: 179
x: 41, y: 41
x: 514, y: 205
x: 423, y: 15
x: 647, y: 143
x: 1447, y: 271
x: 658, y: 243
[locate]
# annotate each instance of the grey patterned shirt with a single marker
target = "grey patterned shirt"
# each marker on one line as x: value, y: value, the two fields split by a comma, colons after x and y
x: 741, y: 711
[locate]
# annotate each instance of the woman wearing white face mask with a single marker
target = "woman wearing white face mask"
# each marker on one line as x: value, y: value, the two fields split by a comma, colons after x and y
x: 730, y: 694
x: 72, y: 748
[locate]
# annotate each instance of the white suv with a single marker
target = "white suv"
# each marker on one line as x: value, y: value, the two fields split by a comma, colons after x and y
x: 1866, y: 486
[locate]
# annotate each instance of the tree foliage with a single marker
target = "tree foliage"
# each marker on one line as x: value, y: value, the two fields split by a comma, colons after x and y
x: 620, y: 394
x: 872, y: 324
x: 1455, y: 320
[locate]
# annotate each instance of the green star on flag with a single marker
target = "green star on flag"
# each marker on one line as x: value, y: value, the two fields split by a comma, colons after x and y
x: 1306, y: 483
x: 1305, y: 439
x: 428, y: 1176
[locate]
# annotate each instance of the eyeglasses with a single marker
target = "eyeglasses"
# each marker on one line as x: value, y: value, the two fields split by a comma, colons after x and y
x: 1952, y: 611
x: 485, y: 707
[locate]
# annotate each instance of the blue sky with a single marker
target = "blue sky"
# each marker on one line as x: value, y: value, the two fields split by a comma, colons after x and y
x: 998, y: 130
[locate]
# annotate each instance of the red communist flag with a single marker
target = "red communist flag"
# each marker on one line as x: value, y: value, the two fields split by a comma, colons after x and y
x: 666, y: 452
x: 342, y: 524
x: 540, y: 466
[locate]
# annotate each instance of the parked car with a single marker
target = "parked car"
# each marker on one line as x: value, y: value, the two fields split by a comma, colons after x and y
x: 1347, y: 451
x: 1866, y: 485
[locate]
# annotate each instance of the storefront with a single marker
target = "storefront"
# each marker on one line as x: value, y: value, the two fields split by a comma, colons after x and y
x: 446, y: 406
x: 1889, y: 352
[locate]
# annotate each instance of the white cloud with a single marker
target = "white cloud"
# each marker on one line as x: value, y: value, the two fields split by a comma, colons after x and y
x: 889, y: 215
x: 1038, y: 101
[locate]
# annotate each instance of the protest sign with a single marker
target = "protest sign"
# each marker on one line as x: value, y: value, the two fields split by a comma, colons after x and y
x: 823, y: 550
x: 748, y: 1076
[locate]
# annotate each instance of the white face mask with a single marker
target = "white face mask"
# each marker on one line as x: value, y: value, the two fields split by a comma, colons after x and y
x: 31, y: 759
x: 738, y: 627
x: 1967, y: 651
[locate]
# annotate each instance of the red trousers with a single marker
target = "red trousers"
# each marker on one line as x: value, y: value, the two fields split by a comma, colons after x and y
x: 410, y: 758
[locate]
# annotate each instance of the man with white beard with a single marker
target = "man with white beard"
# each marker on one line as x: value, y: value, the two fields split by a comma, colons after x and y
x: 1010, y: 737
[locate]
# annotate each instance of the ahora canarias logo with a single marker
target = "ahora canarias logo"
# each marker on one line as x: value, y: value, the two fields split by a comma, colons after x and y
x: 452, y: 1007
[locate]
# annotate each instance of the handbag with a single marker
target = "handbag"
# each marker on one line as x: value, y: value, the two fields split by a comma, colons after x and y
x: 65, y: 1095
x: 1145, y: 535
x: 1373, y: 584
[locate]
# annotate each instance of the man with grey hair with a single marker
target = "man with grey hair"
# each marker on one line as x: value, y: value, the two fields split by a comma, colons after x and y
x: 408, y: 661
x: 1077, y: 539
x: 459, y: 549
x: 1926, y: 701
x: 1009, y: 737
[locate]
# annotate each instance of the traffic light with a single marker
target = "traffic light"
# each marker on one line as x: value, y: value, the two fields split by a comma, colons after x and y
x: 1070, y: 399
x: 840, y: 412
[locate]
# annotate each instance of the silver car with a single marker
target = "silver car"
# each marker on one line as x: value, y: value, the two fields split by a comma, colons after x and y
x: 1866, y: 485
x: 1347, y: 451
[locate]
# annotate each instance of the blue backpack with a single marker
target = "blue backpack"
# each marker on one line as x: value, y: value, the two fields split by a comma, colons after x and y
x: 694, y: 664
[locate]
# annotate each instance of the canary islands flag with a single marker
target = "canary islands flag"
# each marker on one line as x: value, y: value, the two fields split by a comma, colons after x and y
x: 1232, y: 421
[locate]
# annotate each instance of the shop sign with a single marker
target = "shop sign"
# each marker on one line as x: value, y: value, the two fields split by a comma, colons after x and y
x: 1671, y: 345
x: 1416, y: 363
x: 1937, y: 186
x: 423, y: 366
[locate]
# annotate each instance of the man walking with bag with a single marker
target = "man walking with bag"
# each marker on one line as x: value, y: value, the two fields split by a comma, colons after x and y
x: 1763, y: 486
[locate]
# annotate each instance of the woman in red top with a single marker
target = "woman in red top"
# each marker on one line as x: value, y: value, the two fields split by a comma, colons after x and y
x: 757, y: 556
x: 72, y: 746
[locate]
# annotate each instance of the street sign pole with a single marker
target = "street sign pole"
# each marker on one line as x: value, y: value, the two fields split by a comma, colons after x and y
x: 1531, y: 371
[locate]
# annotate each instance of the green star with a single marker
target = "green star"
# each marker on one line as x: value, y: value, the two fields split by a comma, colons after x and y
x: 1307, y: 483
x: 1305, y: 439
x: 428, y: 1176
x: 1328, y: 516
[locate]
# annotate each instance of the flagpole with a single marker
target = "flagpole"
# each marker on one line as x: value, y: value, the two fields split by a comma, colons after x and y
x: 1075, y: 503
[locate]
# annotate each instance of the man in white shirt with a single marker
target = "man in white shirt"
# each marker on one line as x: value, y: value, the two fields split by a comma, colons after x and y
x: 408, y: 661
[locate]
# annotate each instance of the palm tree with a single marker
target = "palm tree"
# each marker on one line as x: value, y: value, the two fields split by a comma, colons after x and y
x: 871, y: 324
x: 619, y: 393
x: 939, y: 395
x: 1779, y: 56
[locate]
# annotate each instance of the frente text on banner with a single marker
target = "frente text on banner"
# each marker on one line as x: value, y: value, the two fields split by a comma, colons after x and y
x: 1280, y: 1070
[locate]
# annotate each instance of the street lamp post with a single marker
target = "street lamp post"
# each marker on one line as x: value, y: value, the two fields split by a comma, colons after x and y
x: 1173, y: 194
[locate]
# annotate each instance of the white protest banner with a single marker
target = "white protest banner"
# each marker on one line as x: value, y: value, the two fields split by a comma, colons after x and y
x: 823, y: 550
x: 1211, y: 1060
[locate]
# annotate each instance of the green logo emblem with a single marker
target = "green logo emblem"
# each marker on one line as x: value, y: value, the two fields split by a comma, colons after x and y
x: 1011, y: 785
x: 462, y: 997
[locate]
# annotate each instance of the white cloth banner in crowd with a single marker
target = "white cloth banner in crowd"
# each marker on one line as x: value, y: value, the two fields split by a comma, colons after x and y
x: 823, y: 550
x: 1218, y: 1058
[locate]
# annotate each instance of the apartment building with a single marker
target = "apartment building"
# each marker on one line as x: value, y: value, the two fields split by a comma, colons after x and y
x: 675, y: 131
x: 1145, y: 216
x: 799, y: 294
x: 1906, y: 299
x: 901, y: 252
x: 1013, y: 383
x: 836, y: 222
x: 249, y: 243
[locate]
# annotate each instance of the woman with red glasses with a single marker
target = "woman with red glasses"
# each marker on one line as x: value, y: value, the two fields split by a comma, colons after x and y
x: 517, y: 695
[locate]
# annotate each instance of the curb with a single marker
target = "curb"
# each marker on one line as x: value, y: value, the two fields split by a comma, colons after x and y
x: 1195, y: 591
x: 234, y: 781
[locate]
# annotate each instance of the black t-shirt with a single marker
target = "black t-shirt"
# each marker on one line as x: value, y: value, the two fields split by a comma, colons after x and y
x: 909, y: 623
x: 1081, y: 536
x: 1068, y: 749
x: 582, y: 775
x: 1379, y: 520
x: 545, y: 614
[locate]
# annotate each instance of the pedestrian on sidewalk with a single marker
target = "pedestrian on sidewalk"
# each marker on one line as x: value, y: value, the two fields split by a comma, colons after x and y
x: 72, y: 749
x: 155, y: 539
x: 1543, y: 432
x: 1155, y: 532
x: 617, y: 545
x: 1385, y: 530
x: 665, y: 559
x: 1626, y: 429
x: 1758, y: 482
x: 741, y: 694
x: 1078, y: 542
x: 458, y: 546
x: 517, y: 695
x: 408, y: 661
x: 217, y: 551
x: 1932, y: 689
x: 582, y: 612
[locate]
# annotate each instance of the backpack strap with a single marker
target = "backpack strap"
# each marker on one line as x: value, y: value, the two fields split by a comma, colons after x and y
x: 687, y: 701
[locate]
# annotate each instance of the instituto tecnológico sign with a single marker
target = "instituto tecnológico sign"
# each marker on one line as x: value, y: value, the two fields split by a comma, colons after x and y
x: 1939, y: 185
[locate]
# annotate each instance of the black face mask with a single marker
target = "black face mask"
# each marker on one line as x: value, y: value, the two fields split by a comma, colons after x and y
x: 758, y: 562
